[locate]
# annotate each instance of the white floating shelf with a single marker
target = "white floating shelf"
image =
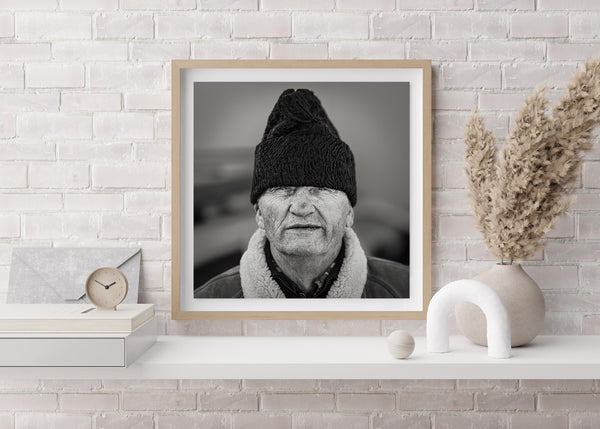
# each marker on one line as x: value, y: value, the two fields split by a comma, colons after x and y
x: 177, y: 357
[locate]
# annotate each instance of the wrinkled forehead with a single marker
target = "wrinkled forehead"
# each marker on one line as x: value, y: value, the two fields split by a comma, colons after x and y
x: 283, y: 193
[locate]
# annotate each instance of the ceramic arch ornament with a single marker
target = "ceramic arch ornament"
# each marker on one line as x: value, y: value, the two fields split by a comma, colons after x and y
x: 443, y: 302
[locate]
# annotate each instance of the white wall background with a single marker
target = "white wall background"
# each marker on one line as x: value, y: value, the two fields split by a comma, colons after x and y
x: 85, y: 129
x: 85, y: 122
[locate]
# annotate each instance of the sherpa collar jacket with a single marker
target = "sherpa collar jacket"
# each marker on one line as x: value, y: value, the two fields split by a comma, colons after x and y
x: 359, y: 277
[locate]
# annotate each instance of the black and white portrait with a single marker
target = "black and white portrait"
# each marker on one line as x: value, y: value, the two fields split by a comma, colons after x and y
x: 301, y: 189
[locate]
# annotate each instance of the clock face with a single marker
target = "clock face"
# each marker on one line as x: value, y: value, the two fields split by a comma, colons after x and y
x: 106, y: 288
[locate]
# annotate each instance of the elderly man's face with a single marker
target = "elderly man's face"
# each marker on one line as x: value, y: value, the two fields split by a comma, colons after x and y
x: 304, y: 221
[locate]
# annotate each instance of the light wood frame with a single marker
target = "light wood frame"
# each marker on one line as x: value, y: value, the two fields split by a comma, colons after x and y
x: 180, y: 300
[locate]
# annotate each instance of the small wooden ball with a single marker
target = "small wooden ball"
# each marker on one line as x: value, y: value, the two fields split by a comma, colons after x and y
x: 400, y: 344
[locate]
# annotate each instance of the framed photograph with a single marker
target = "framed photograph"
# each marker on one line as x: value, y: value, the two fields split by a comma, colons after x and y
x: 301, y: 189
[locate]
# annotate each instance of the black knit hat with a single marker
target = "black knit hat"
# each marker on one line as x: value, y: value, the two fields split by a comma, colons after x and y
x: 301, y: 147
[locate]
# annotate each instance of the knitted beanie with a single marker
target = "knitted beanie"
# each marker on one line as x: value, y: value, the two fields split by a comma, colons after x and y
x: 301, y: 147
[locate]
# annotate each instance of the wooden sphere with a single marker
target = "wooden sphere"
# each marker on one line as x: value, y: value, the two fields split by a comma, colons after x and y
x: 400, y: 344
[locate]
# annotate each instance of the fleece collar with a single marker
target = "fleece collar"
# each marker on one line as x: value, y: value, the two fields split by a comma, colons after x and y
x: 257, y: 281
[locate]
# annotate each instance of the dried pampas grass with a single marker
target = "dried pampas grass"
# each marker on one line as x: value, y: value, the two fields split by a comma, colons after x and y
x: 518, y: 196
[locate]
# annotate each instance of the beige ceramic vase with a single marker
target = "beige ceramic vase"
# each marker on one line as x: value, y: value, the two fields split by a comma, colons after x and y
x: 522, y: 297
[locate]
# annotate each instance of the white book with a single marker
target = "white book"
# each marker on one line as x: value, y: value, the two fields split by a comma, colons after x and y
x: 62, y: 318
x: 76, y: 349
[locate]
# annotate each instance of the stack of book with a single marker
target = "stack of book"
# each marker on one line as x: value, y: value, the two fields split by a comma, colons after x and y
x: 74, y: 334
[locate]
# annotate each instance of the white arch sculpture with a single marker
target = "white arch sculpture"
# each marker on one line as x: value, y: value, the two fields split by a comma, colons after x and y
x: 443, y: 302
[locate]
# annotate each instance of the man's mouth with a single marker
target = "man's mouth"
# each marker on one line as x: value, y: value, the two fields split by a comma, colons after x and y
x: 304, y: 227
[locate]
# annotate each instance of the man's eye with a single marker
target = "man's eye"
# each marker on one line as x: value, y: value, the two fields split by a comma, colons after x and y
x: 286, y: 190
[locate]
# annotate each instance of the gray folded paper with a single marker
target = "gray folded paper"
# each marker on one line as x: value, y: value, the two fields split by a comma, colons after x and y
x: 42, y: 275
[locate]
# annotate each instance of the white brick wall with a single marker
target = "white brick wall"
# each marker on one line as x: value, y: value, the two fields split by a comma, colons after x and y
x: 331, y: 26
x: 85, y: 157
x: 261, y: 25
x: 52, y: 26
x: 392, y: 26
x: 114, y: 126
x: 296, y: 404
x: 7, y: 125
x: 90, y: 102
x: 54, y: 75
x: 130, y: 76
x: 41, y: 126
x: 193, y: 26
x: 7, y: 25
x: 96, y: 50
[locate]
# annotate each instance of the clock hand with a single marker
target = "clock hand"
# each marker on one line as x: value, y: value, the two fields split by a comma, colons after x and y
x: 100, y: 283
x: 107, y: 286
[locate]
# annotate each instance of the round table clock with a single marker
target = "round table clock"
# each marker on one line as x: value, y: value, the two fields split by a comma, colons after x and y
x: 106, y: 288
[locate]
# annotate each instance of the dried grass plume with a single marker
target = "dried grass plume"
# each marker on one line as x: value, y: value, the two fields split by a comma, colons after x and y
x: 518, y: 194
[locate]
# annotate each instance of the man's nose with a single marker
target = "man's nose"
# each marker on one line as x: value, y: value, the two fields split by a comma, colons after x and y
x: 301, y: 203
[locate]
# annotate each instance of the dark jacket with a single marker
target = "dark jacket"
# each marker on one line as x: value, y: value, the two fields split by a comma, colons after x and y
x: 385, y: 279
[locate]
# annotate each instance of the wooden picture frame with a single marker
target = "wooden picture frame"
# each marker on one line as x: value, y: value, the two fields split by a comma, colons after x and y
x: 382, y: 110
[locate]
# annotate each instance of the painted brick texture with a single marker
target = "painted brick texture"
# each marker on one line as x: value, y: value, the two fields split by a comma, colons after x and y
x: 85, y: 132
x: 364, y: 404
